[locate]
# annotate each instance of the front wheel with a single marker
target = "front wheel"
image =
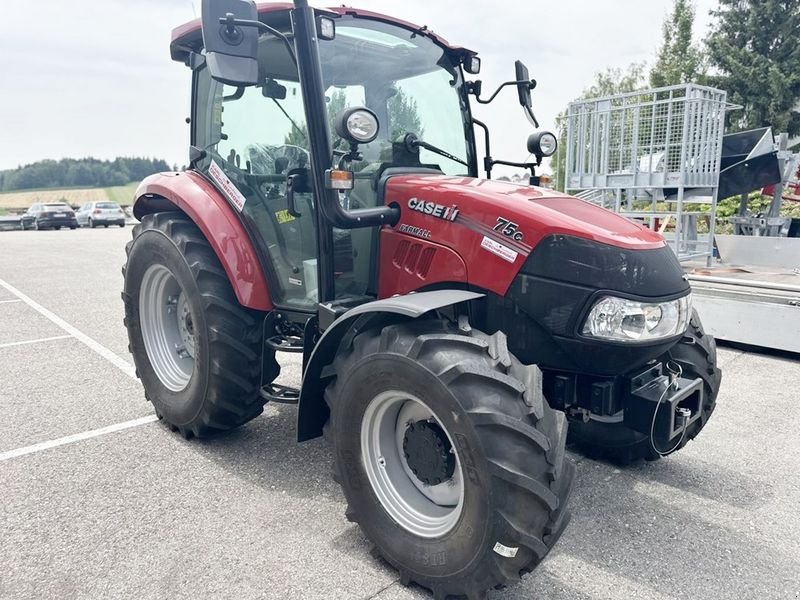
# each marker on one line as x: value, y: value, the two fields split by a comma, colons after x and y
x: 696, y: 354
x: 451, y: 461
x: 196, y: 350
x: 90, y: 223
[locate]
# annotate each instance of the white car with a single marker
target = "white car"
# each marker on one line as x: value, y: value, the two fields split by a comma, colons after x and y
x: 94, y: 214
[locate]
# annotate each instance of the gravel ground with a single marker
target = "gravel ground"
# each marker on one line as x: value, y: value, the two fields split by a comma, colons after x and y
x: 141, y: 513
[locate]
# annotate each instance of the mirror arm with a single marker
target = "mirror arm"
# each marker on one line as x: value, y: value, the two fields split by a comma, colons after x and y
x: 531, y: 84
x: 231, y: 22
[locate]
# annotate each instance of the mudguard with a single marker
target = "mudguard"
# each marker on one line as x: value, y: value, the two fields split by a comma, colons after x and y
x: 312, y: 413
x: 190, y: 193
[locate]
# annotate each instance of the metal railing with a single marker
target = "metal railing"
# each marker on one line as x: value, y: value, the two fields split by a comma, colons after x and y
x: 646, y: 154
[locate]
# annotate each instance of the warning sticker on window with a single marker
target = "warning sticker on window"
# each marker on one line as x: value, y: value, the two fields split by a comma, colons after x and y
x: 499, y: 249
x: 226, y: 185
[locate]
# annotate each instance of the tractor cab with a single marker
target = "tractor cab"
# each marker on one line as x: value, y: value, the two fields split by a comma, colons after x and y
x: 394, y: 100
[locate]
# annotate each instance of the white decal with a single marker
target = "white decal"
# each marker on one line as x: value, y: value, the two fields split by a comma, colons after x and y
x: 294, y: 281
x: 505, y: 550
x: 499, y: 249
x: 231, y: 191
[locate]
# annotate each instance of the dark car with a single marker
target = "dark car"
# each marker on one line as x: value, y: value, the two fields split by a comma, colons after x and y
x: 49, y: 215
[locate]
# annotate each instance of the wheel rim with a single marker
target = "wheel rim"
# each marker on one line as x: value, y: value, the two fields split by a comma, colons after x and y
x: 167, y: 328
x: 424, y: 509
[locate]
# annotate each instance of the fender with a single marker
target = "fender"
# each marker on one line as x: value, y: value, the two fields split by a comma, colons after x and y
x: 312, y: 413
x: 190, y: 193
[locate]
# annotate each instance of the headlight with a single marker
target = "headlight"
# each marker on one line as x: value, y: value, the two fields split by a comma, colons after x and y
x: 357, y: 125
x: 542, y: 143
x: 624, y: 320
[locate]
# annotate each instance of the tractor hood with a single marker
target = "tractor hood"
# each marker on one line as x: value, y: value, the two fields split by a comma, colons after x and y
x: 539, y: 212
x: 494, y: 226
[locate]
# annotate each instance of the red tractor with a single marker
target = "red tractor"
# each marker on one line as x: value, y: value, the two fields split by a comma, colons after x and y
x: 451, y: 326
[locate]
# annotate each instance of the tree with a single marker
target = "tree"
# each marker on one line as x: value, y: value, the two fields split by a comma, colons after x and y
x: 336, y: 103
x: 404, y: 116
x: 88, y: 172
x: 755, y: 47
x: 606, y: 83
x: 678, y: 60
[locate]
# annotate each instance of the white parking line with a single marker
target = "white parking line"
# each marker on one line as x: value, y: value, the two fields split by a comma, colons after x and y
x: 47, y: 339
x: 76, y: 437
x: 10, y: 301
x: 115, y: 360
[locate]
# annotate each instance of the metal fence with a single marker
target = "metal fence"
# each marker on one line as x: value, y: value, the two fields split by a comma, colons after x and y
x: 646, y: 153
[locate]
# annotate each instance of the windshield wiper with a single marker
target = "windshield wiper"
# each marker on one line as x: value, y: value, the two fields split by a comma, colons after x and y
x: 291, y: 120
x: 412, y: 142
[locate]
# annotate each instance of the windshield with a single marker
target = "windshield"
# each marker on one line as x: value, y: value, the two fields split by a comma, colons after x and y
x: 56, y: 207
x: 410, y: 83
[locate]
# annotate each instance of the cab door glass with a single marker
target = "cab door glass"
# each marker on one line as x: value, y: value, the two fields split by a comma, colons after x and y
x: 257, y: 137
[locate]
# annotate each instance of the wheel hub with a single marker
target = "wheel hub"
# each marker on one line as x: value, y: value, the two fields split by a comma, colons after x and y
x: 399, y: 432
x: 428, y: 452
x: 167, y: 327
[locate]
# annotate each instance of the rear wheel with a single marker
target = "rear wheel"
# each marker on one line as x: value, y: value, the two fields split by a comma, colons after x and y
x: 196, y: 350
x: 696, y: 354
x: 451, y: 461
x: 91, y: 223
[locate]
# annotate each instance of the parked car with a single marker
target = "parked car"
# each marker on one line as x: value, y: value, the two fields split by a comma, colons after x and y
x: 93, y: 214
x: 49, y: 215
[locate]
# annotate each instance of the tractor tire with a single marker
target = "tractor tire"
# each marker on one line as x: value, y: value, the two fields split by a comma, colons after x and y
x: 696, y: 353
x: 451, y: 461
x: 196, y: 350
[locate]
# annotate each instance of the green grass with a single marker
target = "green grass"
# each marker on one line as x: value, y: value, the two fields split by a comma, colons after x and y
x: 122, y: 194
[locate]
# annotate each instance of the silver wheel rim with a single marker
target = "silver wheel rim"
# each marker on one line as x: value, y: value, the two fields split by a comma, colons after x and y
x: 167, y: 328
x: 425, y: 510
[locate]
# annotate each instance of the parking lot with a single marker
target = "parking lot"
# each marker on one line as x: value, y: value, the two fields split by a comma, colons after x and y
x: 100, y: 500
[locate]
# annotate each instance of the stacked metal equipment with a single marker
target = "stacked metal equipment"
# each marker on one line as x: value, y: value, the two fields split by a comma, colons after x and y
x: 654, y: 156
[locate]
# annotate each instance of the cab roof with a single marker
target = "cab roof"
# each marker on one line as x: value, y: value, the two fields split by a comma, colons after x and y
x: 188, y: 37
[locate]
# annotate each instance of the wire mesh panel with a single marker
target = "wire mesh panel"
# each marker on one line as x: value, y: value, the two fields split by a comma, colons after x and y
x: 661, y: 146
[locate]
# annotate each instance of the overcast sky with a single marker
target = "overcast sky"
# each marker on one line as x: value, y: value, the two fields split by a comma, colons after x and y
x: 94, y: 77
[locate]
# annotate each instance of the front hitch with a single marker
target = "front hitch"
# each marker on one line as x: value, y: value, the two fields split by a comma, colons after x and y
x: 663, y: 406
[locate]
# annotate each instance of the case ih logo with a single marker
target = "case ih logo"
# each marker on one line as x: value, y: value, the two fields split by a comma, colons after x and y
x: 448, y: 213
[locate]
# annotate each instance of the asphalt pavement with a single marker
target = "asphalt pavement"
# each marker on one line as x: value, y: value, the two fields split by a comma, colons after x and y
x: 99, y: 500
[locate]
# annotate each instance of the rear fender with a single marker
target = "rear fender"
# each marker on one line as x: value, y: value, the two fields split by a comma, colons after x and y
x: 190, y: 193
x: 312, y: 412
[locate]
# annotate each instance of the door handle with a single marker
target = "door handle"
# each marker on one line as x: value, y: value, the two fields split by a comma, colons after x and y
x: 291, y: 181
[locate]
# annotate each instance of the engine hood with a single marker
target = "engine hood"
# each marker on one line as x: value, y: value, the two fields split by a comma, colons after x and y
x: 494, y: 226
x: 539, y: 211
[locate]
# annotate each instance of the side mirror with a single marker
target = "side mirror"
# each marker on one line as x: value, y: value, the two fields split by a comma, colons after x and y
x: 523, y: 89
x: 231, y: 45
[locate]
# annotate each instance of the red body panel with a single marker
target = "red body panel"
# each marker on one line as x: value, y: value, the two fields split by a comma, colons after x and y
x: 184, y: 33
x: 537, y: 212
x: 408, y: 263
x: 222, y: 228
